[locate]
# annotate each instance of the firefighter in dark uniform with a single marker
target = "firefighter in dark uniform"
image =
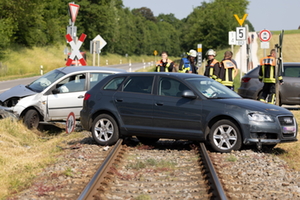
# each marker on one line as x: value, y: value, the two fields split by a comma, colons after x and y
x: 165, y: 64
x: 187, y: 65
x: 212, y: 68
x: 267, y: 76
x: 228, y: 70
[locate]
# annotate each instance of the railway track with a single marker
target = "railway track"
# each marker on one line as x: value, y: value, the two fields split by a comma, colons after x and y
x: 166, y: 170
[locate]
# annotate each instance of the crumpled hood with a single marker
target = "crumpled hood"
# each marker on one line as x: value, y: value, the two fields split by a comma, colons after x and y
x: 17, y: 91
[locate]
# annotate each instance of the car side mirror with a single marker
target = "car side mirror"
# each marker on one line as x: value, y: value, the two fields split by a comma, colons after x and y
x: 188, y: 94
x: 55, y: 91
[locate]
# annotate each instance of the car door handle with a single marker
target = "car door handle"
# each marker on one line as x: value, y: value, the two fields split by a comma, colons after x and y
x: 80, y: 97
x: 159, y: 103
x: 118, y: 100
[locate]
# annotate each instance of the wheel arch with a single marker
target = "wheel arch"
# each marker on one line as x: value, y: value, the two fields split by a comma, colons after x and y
x: 99, y: 112
x: 30, y: 108
x: 222, y: 117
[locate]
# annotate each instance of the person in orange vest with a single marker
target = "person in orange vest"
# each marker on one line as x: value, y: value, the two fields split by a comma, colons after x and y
x: 165, y: 64
x: 267, y: 76
x: 212, y: 68
x: 228, y: 70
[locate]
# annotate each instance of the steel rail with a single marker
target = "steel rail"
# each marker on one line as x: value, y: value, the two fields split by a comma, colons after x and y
x: 91, y: 187
x: 220, y: 193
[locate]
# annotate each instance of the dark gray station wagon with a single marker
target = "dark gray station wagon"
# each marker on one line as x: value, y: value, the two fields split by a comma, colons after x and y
x: 289, y: 92
x: 181, y: 106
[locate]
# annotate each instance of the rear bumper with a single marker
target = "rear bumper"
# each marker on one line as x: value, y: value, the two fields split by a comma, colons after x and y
x: 246, y: 93
x: 85, y: 120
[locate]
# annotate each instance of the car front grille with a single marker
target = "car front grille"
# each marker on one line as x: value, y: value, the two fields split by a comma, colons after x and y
x: 288, y: 124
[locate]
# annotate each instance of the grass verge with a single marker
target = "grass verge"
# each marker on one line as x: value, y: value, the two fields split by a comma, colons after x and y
x: 24, y: 154
x: 290, y: 152
x: 19, y: 62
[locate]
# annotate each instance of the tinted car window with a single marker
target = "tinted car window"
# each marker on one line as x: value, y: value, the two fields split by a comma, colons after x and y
x: 114, y: 83
x: 212, y: 89
x: 291, y: 71
x: 170, y: 87
x: 139, y: 84
x: 97, y: 77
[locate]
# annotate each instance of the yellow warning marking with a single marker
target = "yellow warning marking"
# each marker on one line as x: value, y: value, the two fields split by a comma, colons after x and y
x: 240, y: 21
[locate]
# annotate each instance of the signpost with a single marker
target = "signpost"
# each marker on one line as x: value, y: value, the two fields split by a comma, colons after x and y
x: 231, y: 39
x: 72, y: 38
x: 70, y: 123
x: 265, y: 36
x: 199, y: 50
x: 155, y: 54
x: 279, y: 65
x: 75, y: 49
x: 241, y: 36
x: 95, y: 48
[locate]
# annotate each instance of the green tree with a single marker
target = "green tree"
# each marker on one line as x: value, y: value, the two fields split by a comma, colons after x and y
x: 145, y: 12
x: 210, y: 23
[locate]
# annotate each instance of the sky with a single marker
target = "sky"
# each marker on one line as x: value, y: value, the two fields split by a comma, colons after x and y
x: 263, y: 14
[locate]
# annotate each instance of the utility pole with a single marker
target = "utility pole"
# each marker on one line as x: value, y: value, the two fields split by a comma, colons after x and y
x: 279, y: 66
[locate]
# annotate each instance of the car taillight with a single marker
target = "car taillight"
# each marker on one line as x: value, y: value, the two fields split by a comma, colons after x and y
x: 245, y: 80
x: 86, y: 96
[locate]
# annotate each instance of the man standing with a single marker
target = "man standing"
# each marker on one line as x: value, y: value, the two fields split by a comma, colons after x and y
x: 212, y: 68
x: 267, y: 76
x: 187, y: 65
x: 228, y: 70
x: 165, y: 64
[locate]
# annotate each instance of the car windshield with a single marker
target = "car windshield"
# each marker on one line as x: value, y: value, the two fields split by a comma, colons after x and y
x: 212, y: 89
x: 44, y: 81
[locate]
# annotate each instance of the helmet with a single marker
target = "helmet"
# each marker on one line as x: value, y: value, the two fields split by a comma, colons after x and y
x: 192, y: 53
x: 211, y: 52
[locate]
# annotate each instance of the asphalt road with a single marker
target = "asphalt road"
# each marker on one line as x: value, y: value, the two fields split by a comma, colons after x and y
x: 5, y: 85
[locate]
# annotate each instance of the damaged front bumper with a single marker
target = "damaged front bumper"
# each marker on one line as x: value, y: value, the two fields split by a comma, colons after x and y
x: 7, y: 113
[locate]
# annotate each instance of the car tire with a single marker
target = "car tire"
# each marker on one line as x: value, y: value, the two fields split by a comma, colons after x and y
x: 105, y: 130
x: 146, y: 140
x: 225, y: 136
x: 31, y: 119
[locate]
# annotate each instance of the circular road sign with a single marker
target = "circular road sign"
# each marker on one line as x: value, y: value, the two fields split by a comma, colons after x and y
x: 70, y: 123
x: 265, y: 35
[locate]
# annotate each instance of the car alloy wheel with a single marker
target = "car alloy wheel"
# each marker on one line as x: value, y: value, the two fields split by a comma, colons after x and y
x: 105, y: 130
x: 225, y: 136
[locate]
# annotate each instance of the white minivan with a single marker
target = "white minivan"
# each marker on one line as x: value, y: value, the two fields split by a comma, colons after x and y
x: 53, y: 96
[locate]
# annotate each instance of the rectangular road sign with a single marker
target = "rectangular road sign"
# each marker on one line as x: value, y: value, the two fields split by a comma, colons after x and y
x: 265, y: 45
x: 241, y: 33
x: 231, y: 38
x: 240, y: 42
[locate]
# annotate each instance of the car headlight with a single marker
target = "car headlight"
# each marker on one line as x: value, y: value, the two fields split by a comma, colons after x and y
x: 260, y: 117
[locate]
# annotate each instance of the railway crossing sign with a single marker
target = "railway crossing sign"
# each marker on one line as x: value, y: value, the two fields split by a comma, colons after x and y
x: 75, y: 49
x: 265, y: 35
